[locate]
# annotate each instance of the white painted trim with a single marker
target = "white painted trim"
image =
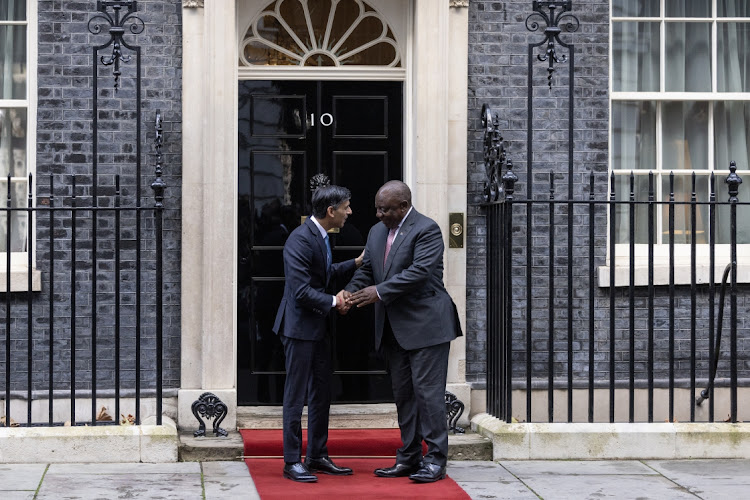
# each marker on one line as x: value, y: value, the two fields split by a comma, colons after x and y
x: 661, y: 172
x: 409, y: 125
x: 375, y: 73
x: 333, y: 53
x: 19, y: 260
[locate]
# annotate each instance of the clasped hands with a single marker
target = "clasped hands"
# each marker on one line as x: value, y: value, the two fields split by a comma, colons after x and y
x: 346, y: 299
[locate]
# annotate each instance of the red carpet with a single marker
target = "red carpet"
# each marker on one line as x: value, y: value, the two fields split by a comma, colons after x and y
x: 349, y: 443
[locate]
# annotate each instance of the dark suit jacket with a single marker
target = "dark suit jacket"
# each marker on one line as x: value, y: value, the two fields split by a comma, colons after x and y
x: 420, y: 311
x: 305, y: 305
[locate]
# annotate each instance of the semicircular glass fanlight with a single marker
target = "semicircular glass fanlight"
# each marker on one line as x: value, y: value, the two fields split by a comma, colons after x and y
x: 319, y: 33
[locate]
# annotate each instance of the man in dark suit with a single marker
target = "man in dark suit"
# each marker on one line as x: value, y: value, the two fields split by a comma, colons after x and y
x: 415, y: 320
x: 302, y: 324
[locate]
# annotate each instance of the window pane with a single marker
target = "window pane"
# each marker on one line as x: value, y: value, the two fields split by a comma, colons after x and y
x: 12, y: 62
x: 734, y: 8
x: 18, y: 228
x: 683, y: 187
x: 688, y: 8
x: 635, y: 48
x: 734, y: 57
x: 333, y: 34
x: 688, y: 64
x: 12, y: 10
x: 622, y: 210
x: 635, y: 8
x: 685, y: 135
x: 731, y: 132
x: 12, y: 143
x: 633, y: 135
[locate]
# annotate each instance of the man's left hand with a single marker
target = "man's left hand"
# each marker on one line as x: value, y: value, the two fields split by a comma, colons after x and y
x: 364, y: 297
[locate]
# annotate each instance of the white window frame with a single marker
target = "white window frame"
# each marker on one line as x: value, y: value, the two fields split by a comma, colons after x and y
x: 19, y: 260
x: 661, y: 250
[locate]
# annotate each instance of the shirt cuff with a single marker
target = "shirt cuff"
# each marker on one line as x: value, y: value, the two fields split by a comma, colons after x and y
x: 334, y: 301
x: 376, y: 291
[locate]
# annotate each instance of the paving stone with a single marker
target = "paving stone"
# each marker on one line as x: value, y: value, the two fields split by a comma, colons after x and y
x: 708, y: 479
x: 89, y: 486
x: 488, y: 489
x: 222, y: 469
x: 476, y: 471
x: 20, y: 477
x: 231, y: 487
x: 621, y: 487
x: 17, y: 495
x: 125, y: 468
x: 576, y: 467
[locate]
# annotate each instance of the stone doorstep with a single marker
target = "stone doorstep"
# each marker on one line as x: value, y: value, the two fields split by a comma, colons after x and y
x: 350, y: 416
x: 618, y: 441
x: 467, y: 446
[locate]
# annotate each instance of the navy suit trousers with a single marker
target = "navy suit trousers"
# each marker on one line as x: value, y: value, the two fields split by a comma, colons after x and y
x: 418, y: 377
x: 308, y: 376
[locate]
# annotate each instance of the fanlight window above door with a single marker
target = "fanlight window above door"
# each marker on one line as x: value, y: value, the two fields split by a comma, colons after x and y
x: 319, y: 33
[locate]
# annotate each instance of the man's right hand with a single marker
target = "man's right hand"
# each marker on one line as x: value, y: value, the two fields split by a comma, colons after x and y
x: 342, y: 302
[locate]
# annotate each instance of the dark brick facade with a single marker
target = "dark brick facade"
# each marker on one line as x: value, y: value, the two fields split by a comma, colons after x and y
x: 498, y: 60
x: 65, y: 136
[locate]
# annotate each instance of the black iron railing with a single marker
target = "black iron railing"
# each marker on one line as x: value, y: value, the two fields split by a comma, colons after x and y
x: 75, y: 239
x: 95, y: 329
x: 625, y: 333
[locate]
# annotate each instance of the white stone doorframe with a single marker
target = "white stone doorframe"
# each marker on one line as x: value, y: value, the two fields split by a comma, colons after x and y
x: 435, y: 169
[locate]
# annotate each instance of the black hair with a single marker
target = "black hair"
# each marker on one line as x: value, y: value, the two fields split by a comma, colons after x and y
x: 328, y: 196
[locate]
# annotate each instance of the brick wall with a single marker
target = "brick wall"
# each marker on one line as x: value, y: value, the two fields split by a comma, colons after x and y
x: 65, y: 135
x: 498, y: 62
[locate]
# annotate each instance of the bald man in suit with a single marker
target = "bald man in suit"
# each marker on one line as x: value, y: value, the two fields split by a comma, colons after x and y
x: 415, y: 321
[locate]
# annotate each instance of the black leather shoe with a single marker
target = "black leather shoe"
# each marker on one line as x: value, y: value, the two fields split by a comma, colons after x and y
x: 326, y: 466
x: 398, y: 470
x: 429, y: 473
x: 299, y: 472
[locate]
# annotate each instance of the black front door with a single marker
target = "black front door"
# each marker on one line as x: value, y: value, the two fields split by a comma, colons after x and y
x: 290, y: 131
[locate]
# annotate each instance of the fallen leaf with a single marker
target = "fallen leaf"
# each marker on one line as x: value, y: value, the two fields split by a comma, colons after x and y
x: 103, y: 416
x: 129, y: 420
x: 13, y: 423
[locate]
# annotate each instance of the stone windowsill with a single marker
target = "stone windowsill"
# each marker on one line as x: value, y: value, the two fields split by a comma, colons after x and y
x: 19, y: 280
x: 682, y: 275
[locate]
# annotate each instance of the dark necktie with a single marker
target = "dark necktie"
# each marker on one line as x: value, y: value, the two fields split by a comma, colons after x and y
x: 329, y: 255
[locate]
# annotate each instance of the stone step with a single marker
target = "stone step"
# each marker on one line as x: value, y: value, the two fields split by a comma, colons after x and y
x: 361, y: 416
x: 350, y: 416
x: 467, y: 446
x: 210, y: 448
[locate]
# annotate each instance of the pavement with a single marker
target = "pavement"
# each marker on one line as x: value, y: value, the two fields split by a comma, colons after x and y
x: 626, y: 479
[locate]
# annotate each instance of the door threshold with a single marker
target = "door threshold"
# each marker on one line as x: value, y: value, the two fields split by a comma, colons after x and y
x: 343, y: 416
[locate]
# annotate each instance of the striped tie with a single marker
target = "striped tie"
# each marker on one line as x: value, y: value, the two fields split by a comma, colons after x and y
x: 388, y: 243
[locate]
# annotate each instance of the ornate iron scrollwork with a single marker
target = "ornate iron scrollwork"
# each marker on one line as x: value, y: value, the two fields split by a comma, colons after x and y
x: 734, y: 181
x: 318, y: 180
x: 158, y: 185
x: 117, y: 26
x: 553, y: 29
x: 455, y: 408
x: 494, y: 154
x: 209, y: 406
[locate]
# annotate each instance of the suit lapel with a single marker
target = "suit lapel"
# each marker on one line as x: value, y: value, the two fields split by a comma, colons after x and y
x: 378, y: 250
x: 406, y: 227
x: 321, y: 245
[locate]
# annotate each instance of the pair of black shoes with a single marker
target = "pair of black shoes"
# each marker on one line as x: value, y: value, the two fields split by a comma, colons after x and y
x: 420, y: 472
x: 303, y: 472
